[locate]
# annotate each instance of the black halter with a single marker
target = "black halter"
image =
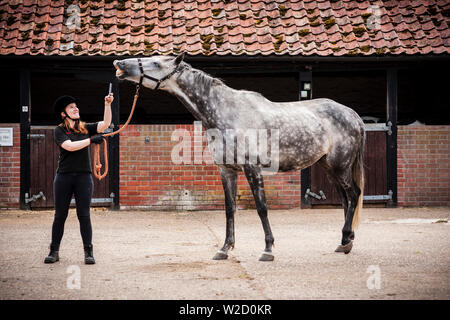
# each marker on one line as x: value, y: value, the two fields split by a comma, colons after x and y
x: 158, y: 81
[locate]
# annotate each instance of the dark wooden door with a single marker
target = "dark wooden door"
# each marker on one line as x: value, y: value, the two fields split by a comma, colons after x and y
x: 44, y: 154
x: 43, y: 163
x: 374, y: 169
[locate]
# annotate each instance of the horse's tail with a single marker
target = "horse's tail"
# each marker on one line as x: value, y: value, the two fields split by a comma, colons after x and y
x: 358, y: 178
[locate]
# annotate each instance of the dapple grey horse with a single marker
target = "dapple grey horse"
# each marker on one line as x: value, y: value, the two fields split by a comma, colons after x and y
x: 319, y: 130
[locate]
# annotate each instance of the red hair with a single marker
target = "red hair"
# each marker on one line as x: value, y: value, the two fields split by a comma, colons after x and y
x: 79, y: 127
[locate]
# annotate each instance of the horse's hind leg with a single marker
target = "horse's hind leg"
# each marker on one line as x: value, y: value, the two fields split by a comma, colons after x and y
x: 255, y: 180
x: 331, y: 174
x: 352, y: 192
x: 332, y: 177
x: 229, y: 183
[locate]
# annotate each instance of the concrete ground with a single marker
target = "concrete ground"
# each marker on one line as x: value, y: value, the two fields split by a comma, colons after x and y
x: 397, y: 254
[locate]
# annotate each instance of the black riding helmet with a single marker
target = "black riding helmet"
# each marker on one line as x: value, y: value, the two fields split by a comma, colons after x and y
x: 61, y: 103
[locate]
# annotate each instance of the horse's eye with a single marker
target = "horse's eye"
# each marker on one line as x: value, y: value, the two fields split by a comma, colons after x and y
x: 156, y: 64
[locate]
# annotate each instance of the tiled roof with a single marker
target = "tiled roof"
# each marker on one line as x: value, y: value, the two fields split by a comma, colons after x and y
x: 224, y: 27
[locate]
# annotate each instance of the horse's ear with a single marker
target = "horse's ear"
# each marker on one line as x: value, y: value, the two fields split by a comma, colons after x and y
x: 179, y: 58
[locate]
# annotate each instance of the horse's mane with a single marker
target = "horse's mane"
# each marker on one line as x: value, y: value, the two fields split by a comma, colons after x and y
x: 202, y: 78
x: 207, y: 81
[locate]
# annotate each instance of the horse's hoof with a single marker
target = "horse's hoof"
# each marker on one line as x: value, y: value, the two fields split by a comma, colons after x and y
x: 220, y: 255
x: 267, y: 256
x: 346, y: 248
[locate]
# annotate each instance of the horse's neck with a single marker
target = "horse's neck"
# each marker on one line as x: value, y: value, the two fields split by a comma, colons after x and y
x: 196, y: 91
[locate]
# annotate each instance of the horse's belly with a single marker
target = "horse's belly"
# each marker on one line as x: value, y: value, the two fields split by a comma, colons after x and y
x: 300, y: 149
x: 298, y: 161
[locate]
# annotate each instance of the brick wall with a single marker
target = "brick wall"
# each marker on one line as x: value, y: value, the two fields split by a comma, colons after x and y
x: 10, y: 170
x: 149, y: 178
x: 423, y: 165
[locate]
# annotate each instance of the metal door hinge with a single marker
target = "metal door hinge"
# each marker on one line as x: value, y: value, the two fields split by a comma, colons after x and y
x: 379, y: 127
x: 380, y: 197
x: 39, y: 136
x: 96, y: 200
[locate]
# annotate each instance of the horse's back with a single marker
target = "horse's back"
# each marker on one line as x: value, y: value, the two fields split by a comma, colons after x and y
x: 319, y: 127
x: 336, y: 115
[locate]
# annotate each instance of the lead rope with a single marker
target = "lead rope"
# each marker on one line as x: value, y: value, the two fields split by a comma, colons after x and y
x: 97, y: 163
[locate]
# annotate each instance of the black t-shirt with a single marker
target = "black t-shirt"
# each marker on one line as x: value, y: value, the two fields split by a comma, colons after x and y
x: 74, y: 161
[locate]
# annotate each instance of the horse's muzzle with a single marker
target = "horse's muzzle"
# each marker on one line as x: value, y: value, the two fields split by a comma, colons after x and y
x: 120, y: 73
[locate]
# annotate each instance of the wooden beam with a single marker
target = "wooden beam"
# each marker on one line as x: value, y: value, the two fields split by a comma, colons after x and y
x: 113, y: 147
x: 24, y: 109
x: 305, y: 77
x: 391, y: 157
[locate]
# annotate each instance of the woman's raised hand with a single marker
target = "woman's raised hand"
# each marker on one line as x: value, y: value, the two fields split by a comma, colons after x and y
x: 109, y: 98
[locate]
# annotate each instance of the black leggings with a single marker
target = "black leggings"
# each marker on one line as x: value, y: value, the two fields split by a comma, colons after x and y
x: 64, y: 186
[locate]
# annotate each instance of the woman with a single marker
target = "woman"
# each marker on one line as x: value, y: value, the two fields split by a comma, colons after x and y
x: 73, y: 176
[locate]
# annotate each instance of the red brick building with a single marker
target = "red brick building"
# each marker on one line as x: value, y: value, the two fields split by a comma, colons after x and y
x: 385, y: 59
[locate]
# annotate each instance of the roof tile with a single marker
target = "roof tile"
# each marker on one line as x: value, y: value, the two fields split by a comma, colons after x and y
x: 324, y: 28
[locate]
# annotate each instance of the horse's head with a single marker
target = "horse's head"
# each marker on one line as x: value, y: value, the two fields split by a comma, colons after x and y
x: 151, y: 71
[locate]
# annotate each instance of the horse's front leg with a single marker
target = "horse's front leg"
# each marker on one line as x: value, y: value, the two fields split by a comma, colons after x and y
x: 229, y: 182
x: 255, y: 180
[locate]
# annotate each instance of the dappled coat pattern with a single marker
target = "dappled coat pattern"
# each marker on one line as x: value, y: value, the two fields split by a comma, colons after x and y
x: 319, y: 130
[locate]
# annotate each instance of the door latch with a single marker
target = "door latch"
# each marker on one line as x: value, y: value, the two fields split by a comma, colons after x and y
x: 320, y: 196
x: 35, y: 197
x: 389, y: 127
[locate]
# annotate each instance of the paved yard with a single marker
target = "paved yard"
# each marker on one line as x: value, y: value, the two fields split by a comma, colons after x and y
x: 397, y: 254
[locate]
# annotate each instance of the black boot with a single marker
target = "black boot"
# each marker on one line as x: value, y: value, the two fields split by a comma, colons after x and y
x: 53, y: 256
x: 89, y: 255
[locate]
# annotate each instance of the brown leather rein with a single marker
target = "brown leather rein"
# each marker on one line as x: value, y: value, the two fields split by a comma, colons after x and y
x: 97, y: 163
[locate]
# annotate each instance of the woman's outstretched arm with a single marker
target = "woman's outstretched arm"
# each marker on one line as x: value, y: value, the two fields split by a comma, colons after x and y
x: 103, y: 125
